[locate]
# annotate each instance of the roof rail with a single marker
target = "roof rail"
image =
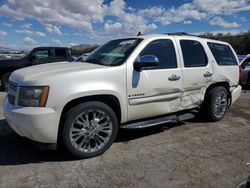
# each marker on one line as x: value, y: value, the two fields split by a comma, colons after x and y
x: 177, y: 33
x: 180, y: 34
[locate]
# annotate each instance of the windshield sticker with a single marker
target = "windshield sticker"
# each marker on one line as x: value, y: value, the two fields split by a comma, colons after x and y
x: 127, y: 42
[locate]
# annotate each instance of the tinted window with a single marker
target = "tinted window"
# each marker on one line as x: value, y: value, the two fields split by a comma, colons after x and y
x: 164, y: 50
x: 60, y: 53
x: 42, y: 55
x: 222, y: 54
x: 193, y: 53
x: 246, y: 63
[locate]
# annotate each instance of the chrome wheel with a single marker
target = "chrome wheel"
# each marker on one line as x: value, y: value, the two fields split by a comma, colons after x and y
x: 220, y: 104
x: 90, y: 131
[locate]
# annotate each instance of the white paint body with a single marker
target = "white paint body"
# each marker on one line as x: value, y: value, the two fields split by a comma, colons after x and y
x: 69, y: 81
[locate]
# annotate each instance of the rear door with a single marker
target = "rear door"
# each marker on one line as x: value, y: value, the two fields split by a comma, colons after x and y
x: 155, y: 90
x: 196, y: 69
x: 61, y: 54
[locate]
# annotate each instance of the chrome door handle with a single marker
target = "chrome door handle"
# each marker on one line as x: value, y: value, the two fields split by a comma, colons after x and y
x: 208, y: 74
x: 174, y: 77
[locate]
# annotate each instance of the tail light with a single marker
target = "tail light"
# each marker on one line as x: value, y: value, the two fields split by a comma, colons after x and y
x: 240, y: 74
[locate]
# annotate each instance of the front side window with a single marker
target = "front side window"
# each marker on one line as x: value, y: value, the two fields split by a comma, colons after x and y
x: 165, y: 51
x: 114, y: 52
x: 42, y: 55
x: 193, y: 53
x: 222, y: 53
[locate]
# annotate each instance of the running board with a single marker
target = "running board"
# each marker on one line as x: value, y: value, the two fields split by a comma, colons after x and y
x: 157, y: 121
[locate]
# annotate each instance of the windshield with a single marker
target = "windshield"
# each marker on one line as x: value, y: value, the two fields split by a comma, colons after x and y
x: 114, y: 52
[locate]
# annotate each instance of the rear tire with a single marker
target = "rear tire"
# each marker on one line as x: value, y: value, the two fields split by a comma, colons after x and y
x: 5, y: 80
x: 215, y: 104
x: 89, y: 129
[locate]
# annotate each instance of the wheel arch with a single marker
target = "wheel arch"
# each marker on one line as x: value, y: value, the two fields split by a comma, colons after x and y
x: 224, y: 84
x: 110, y: 100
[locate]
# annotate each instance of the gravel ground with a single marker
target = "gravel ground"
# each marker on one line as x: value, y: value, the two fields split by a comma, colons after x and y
x: 192, y: 154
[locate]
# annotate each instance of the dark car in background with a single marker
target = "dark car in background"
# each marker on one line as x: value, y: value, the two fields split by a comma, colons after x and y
x: 245, y: 65
x: 39, y: 55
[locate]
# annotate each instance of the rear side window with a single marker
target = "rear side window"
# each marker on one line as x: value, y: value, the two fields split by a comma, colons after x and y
x: 62, y: 53
x: 222, y: 53
x: 164, y: 49
x: 193, y: 53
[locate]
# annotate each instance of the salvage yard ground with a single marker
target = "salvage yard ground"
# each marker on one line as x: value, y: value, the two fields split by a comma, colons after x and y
x: 191, y: 154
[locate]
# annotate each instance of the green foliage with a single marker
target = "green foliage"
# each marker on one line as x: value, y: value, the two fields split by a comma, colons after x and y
x: 240, y: 43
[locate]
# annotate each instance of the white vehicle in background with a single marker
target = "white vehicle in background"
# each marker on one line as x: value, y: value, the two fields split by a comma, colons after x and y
x: 131, y: 83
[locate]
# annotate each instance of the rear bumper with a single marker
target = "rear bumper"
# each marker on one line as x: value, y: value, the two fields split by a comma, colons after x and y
x: 36, y: 123
x: 235, y: 94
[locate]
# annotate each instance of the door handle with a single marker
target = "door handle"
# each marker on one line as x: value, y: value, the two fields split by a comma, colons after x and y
x: 174, y: 77
x: 208, y: 74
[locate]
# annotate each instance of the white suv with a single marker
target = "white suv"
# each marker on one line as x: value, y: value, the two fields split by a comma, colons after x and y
x: 131, y: 82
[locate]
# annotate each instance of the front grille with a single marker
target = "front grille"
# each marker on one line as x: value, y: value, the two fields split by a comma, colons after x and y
x: 11, y: 93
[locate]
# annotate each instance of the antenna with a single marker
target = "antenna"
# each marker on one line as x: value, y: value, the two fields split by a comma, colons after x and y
x: 139, y: 34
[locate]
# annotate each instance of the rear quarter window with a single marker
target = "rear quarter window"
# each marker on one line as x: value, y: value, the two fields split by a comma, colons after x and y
x: 223, y: 54
x: 61, y: 53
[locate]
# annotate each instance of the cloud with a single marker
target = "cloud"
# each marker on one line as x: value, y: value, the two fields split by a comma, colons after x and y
x: 232, y: 32
x: 39, y: 34
x: 196, y: 10
x: 78, y: 34
x: 2, y: 34
x: 26, y: 26
x: 187, y: 22
x: 30, y: 33
x: 7, y: 24
x: 72, y: 44
x: 221, y: 6
x: 221, y: 22
x: 53, y: 29
x: 24, y: 31
x: 81, y: 15
x: 56, y: 42
x: 29, y: 42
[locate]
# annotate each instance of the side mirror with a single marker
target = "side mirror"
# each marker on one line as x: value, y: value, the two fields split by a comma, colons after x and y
x: 145, y: 61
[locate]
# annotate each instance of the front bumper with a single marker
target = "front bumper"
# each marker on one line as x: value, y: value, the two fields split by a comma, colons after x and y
x: 36, y: 123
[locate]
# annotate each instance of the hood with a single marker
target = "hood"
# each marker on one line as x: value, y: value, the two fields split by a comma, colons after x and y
x: 48, y: 71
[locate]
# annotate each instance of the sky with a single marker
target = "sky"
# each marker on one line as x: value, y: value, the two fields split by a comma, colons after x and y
x: 25, y: 24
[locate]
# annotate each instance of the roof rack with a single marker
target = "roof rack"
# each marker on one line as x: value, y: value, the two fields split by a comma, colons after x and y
x: 180, y: 34
x: 177, y: 33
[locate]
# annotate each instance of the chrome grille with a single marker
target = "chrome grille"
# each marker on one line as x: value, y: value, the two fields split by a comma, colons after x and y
x: 11, y: 93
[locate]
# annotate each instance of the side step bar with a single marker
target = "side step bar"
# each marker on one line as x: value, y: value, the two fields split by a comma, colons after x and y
x: 157, y: 121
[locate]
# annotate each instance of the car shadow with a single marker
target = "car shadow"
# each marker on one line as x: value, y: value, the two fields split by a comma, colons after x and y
x: 15, y: 150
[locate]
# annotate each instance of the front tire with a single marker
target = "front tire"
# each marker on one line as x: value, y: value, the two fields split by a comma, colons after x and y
x: 215, y: 104
x: 89, y: 129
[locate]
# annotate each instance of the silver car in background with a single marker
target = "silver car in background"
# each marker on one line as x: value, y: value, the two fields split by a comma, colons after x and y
x: 245, y: 65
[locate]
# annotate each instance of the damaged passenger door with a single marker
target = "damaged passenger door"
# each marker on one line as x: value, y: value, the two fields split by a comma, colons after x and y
x: 197, y: 72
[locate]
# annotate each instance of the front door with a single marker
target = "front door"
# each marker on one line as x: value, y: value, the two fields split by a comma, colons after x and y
x: 155, y: 90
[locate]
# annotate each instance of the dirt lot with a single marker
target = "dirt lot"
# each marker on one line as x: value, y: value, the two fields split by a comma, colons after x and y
x: 193, y: 154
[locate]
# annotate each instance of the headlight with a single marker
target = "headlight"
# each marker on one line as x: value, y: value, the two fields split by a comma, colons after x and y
x: 33, y: 96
